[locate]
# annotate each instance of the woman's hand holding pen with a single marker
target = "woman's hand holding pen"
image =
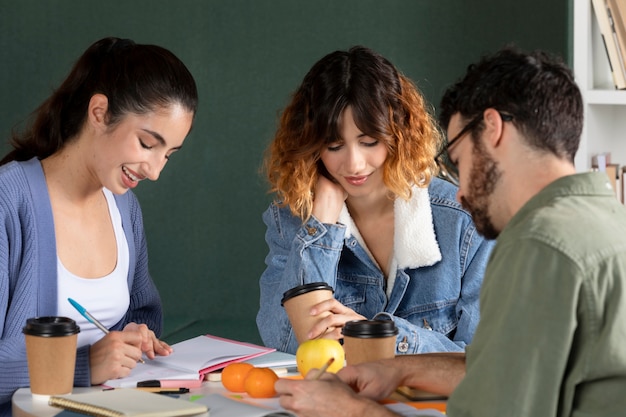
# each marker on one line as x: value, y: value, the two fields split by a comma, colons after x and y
x: 150, y: 344
x: 328, y: 200
x: 331, y: 325
x: 117, y: 353
x: 114, y: 356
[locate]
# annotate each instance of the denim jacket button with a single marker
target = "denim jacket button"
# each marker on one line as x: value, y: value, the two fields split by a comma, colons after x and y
x: 311, y: 230
x: 403, y: 346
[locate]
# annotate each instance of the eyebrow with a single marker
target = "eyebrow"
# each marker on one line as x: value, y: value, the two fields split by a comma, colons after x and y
x: 160, y: 138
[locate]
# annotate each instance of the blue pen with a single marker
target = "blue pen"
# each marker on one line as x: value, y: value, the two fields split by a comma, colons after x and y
x: 88, y: 316
x: 91, y: 318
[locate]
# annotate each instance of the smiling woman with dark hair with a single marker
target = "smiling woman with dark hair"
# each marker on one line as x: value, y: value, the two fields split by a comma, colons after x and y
x: 71, y: 227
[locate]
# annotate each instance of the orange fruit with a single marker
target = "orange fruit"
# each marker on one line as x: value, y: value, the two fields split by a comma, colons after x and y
x: 234, y: 375
x: 259, y: 383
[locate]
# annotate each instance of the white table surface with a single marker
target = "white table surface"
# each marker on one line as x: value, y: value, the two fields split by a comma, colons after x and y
x: 25, y: 405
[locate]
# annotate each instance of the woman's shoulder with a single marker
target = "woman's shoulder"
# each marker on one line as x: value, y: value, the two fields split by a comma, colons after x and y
x: 24, y: 191
x: 442, y: 196
x: 278, y: 209
x: 9, y: 170
x: 13, y: 168
x: 18, y: 177
x: 281, y: 215
x: 443, y: 192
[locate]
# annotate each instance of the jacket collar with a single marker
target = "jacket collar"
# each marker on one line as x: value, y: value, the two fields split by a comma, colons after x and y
x: 415, y: 242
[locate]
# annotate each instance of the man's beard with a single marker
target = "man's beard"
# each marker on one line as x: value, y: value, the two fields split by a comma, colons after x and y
x: 482, y: 181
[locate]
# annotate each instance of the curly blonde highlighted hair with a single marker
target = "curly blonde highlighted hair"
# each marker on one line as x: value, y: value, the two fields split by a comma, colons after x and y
x: 386, y: 106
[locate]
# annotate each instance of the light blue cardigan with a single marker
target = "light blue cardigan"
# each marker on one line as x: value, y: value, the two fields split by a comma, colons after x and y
x: 28, y: 265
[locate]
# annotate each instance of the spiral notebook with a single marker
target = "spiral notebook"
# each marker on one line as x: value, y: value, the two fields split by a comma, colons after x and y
x: 126, y: 403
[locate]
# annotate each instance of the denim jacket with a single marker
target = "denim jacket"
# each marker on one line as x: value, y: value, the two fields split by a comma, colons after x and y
x: 432, y: 294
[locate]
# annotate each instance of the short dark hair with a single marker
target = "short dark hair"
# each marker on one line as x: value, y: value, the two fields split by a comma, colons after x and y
x: 135, y: 78
x: 537, y: 88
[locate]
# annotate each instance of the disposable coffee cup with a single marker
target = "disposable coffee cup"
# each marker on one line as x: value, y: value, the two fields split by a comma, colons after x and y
x: 369, y: 340
x: 298, y: 302
x: 51, y: 354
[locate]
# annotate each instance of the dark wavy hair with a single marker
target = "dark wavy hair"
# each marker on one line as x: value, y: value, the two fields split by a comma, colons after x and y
x: 386, y: 106
x: 135, y: 79
x: 537, y: 88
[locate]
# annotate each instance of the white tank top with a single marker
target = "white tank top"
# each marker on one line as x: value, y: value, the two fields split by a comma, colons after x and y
x: 106, y: 298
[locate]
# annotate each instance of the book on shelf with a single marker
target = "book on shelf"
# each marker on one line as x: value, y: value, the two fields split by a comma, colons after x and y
x: 623, y: 186
x: 125, y: 402
x: 609, y: 38
x: 617, y: 16
x: 192, y: 359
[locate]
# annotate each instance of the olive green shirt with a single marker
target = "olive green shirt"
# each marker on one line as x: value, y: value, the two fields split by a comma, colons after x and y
x: 552, y: 335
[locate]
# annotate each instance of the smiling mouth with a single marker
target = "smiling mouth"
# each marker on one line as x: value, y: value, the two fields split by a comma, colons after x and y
x: 130, y: 175
x: 357, y: 180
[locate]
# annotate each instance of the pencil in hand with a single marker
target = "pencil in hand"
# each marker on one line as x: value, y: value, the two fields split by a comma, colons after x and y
x: 323, y: 369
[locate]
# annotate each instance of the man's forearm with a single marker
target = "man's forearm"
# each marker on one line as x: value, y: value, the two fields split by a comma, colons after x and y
x: 438, y: 373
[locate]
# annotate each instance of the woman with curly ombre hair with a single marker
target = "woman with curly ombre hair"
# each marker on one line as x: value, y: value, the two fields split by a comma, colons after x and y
x: 359, y: 207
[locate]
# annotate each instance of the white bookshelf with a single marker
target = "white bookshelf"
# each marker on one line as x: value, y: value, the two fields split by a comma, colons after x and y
x: 605, y: 107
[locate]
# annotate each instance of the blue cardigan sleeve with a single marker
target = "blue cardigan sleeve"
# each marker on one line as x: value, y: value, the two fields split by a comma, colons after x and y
x: 19, y: 291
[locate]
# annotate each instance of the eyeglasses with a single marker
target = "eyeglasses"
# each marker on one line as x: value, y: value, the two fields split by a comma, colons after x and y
x: 449, y: 170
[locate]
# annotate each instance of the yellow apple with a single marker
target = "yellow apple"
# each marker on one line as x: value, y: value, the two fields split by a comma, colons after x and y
x: 316, y: 352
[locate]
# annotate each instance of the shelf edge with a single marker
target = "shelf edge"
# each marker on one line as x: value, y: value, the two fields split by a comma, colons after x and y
x: 610, y: 97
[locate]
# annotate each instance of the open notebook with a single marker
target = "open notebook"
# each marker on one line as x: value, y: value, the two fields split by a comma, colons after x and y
x: 192, y: 359
x: 126, y: 403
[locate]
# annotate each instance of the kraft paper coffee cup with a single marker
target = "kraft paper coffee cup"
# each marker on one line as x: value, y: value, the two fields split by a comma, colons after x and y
x: 369, y: 340
x: 51, y: 354
x: 298, y: 302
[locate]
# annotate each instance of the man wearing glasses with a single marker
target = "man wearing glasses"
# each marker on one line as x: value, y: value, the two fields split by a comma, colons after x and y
x: 552, y: 335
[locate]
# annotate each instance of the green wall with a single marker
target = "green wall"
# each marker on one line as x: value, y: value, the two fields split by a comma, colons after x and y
x: 203, y: 216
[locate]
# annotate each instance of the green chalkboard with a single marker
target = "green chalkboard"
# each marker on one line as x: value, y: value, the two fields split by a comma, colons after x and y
x: 203, y: 216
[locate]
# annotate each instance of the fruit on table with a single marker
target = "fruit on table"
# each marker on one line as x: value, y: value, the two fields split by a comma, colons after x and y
x: 259, y: 383
x: 234, y: 375
x: 315, y: 353
x: 245, y: 377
